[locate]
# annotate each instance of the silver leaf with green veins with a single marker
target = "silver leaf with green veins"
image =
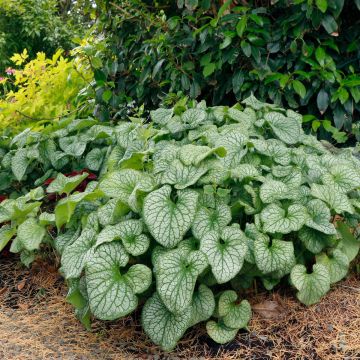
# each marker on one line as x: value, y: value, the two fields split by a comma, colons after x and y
x: 225, y: 252
x: 203, y: 305
x: 176, y: 274
x: 162, y: 326
x: 112, y: 294
x: 311, y: 287
x: 168, y: 221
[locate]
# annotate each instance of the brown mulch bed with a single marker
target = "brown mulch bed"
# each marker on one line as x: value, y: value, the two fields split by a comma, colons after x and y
x: 37, y: 323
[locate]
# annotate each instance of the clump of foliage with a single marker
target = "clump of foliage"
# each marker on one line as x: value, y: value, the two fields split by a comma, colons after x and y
x: 40, y: 25
x: 302, y: 55
x: 41, y: 89
x: 188, y: 210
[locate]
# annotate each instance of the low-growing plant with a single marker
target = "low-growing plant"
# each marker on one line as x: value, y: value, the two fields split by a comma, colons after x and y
x: 194, y: 205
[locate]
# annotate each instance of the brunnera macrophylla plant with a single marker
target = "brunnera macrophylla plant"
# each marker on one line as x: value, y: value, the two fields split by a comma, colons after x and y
x: 194, y: 205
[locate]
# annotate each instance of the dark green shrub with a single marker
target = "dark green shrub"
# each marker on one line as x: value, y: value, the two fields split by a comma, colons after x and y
x: 302, y: 55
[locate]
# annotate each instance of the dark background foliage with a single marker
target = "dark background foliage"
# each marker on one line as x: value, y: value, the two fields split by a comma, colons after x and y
x: 301, y: 54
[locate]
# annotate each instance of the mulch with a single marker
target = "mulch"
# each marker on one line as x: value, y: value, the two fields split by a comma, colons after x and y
x: 37, y: 323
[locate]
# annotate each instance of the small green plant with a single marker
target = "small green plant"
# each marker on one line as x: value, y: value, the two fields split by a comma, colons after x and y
x: 194, y: 205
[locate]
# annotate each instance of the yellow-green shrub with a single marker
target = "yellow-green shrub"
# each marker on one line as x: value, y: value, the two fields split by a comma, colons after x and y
x: 43, y: 89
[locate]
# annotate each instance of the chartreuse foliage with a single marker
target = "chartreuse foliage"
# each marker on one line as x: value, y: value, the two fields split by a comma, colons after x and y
x: 189, y: 207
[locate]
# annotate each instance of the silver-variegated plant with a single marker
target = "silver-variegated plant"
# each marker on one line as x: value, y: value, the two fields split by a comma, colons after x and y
x: 195, y: 204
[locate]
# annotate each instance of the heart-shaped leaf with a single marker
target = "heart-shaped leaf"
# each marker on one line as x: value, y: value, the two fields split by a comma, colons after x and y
x: 168, y: 221
x: 273, y: 255
x: 273, y: 190
x: 343, y: 178
x: 75, y: 256
x: 203, y: 305
x: 127, y: 185
x: 337, y: 200
x: 225, y: 252
x: 219, y: 332
x: 176, y: 274
x: 208, y: 219
x: 314, y: 240
x: 320, y: 217
x: 30, y: 234
x: 235, y: 315
x: 195, y: 154
x: 276, y: 219
x: 311, y: 287
x: 162, y: 326
x: 112, y: 294
x: 285, y: 128
x: 337, y: 264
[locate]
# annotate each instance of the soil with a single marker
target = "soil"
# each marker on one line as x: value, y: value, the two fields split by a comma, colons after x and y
x: 37, y: 323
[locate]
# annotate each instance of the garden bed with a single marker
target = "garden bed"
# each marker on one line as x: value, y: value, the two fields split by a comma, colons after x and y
x: 37, y: 323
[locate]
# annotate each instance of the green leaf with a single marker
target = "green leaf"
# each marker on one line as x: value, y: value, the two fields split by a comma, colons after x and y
x: 330, y: 25
x: 176, y: 274
x: 313, y: 240
x: 168, y: 221
x: 203, y: 305
x: 161, y: 116
x: 219, y: 332
x: 276, y: 219
x: 320, y: 55
x: 349, y: 244
x: 241, y: 26
x: 207, y: 219
x: 127, y: 185
x: 209, y: 69
x: 6, y: 234
x: 336, y: 200
x: 245, y: 171
x: 112, y: 294
x: 163, y: 327
x: 337, y: 264
x: 19, y: 164
x: 322, y: 5
x: 30, y: 234
x: 234, y: 314
x: 274, y: 255
x: 75, y: 255
x: 299, y: 88
x: 322, y: 101
x: 320, y: 217
x: 65, y: 185
x: 311, y: 287
x: 225, y: 252
x: 285, y: 128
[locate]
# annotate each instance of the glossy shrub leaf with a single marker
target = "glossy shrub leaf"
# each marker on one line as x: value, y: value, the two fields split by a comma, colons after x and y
x: 112, y: 294
x: 168, y: 221
x: 311, y: 286
x: 162, y: 326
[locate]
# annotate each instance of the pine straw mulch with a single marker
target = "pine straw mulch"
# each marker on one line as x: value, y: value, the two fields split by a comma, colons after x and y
x: 37, y: 323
